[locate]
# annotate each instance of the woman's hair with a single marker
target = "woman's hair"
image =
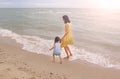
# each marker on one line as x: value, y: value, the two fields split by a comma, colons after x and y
x: 57, y: 39
x: 66, y: 19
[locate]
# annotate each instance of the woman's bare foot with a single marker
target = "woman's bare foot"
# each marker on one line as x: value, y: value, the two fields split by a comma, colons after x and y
x: 70, y: 54
x: 66, y: 57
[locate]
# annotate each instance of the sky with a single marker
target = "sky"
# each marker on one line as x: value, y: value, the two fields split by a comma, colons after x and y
x: 60, y: 3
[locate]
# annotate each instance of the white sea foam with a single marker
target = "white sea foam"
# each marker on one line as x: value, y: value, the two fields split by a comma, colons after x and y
x: 41, y: 46
x: 94, y: 58
x: 30, y: 43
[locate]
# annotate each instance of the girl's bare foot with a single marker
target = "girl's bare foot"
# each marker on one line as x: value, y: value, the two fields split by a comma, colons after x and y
x: 53, y: 61
x: 61, y: 62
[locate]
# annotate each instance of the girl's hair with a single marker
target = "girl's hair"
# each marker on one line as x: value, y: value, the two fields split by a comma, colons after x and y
x: 66, y: 19
x: 57, y: 39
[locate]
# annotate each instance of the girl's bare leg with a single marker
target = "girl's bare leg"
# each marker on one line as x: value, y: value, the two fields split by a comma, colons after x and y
x: 53, y: 58
x: 60, y: 59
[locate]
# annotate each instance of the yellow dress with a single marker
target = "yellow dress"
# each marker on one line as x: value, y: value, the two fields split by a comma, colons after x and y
x: 68, y: 39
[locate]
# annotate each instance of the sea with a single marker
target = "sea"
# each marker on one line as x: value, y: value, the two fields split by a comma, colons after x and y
x: 96, y: 32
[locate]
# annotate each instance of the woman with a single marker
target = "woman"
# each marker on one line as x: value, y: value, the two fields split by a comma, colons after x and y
x: 67, y: 38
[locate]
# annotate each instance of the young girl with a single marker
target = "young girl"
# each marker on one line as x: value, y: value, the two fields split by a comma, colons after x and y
x: 57, y: 49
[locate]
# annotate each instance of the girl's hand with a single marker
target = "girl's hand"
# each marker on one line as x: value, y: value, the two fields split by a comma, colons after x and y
x: 49, y: 49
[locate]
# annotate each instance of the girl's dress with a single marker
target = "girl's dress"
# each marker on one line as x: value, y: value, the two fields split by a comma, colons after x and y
x: 68, y: 39
x: 57, y: 49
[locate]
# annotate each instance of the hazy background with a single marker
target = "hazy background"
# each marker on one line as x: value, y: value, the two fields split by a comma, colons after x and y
x: 59, y: 3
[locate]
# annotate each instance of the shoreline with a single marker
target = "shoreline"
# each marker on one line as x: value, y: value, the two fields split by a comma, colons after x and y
x: 12, y: 42
x: 16, y: 63
x: 38, y: 45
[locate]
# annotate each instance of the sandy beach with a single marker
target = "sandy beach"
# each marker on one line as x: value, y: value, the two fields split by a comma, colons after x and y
x: 16, y: 63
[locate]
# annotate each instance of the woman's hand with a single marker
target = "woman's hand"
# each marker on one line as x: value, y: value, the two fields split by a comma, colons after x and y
x: 62, y: 38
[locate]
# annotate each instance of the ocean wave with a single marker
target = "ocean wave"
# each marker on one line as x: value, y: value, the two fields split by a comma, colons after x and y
x: 50, y: 11
x: 30, y: 43
x: 95, y: 58
x: 39, y: 45
x: 63, y: 12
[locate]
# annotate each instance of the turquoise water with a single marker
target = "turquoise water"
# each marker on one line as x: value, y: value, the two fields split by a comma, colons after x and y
x: 96, y: 32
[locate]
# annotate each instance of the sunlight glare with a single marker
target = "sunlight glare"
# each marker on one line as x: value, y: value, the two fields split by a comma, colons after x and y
x: 109, y: 4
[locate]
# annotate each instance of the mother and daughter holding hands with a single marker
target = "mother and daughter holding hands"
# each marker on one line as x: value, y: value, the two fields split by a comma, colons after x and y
x: 66, y: 40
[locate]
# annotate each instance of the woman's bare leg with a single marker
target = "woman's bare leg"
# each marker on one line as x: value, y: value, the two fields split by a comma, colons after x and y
x: 69, y: 50
x: 65, y: 48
